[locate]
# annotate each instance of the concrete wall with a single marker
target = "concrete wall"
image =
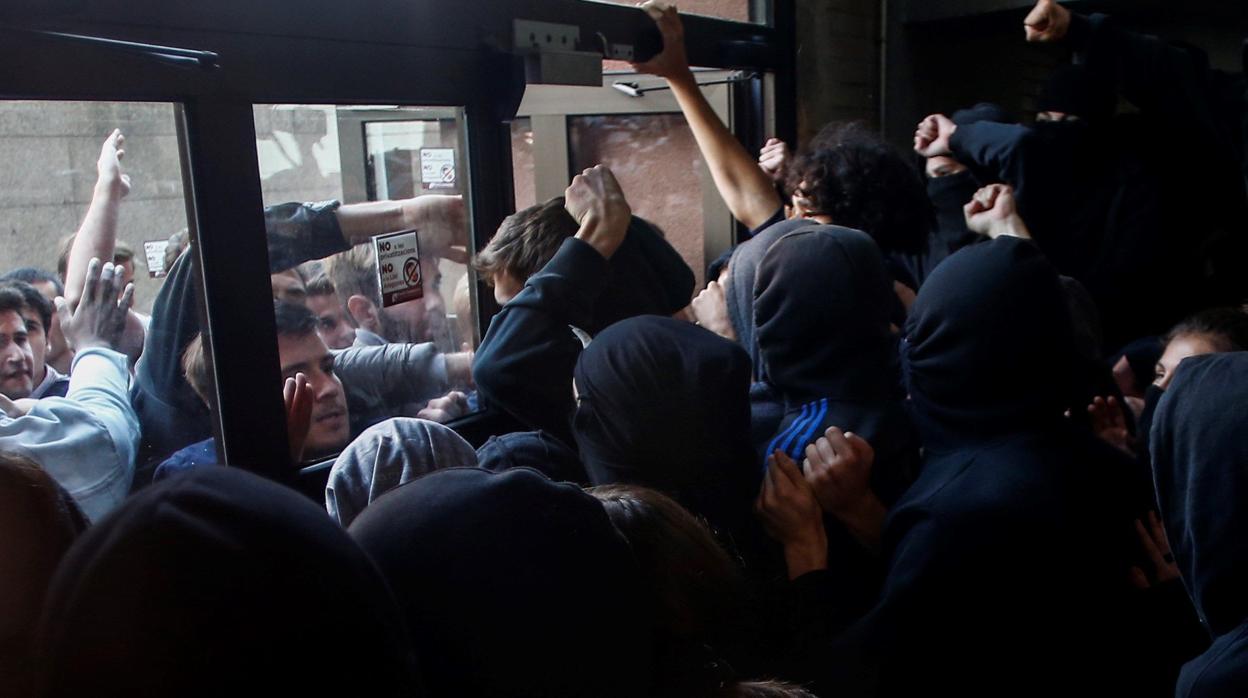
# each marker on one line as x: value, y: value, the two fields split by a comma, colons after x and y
x: 48, y: 152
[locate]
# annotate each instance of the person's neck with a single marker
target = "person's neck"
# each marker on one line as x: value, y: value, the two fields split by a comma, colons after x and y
x: 62, y: 362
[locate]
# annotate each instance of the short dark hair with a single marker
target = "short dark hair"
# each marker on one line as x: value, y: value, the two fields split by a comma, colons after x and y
x: 861, y: 181
x: 293, y: 319
x: 11, y: 299
x: 1227, y: 327
x: 527, y: 240
x: 122, y: 252
x: 33, y: 301
x: 34, y: 275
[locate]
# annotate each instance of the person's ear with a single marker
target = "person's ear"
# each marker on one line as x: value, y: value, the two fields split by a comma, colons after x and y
x: 364, y: 312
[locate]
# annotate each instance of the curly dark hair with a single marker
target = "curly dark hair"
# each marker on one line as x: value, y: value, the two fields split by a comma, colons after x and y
x: 852, y: 175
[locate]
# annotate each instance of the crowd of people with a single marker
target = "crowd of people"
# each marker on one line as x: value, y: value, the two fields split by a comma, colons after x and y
x: 969, y: 427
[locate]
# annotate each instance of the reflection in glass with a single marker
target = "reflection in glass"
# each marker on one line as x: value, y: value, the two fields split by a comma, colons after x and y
x: 378, y: 171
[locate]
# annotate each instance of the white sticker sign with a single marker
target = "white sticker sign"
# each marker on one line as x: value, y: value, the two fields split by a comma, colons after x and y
x: 437, y: 168
x: 154, y: 251
x: 398, y: 267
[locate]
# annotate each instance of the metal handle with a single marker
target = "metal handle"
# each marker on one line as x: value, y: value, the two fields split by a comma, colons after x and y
x: 632, y: 89
x: 182, y: 57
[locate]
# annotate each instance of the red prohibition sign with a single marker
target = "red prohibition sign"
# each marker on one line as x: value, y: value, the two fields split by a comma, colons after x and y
x: 411, y: 271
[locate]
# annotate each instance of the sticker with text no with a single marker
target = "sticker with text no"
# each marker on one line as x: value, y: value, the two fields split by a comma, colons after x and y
x: 154, y: 253
x: 398, y: 267
x: 437, y: 168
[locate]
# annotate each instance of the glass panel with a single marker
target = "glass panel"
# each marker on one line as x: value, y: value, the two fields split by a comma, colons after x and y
x: 394, y: 316
x: 52, y: 149
x: 656, y: 161
x: 58, y: 161
x: 522, y: 164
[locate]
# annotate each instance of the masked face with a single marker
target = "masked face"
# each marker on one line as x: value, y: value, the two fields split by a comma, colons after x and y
x: 331, y: 321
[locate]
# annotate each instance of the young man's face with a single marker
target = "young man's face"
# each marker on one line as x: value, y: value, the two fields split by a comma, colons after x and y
x: 37, y: 336
x: 506, y: 286
x: 307, y: 354
x: 331, y: 321
x: 16, y: 358
x: 288, y: 287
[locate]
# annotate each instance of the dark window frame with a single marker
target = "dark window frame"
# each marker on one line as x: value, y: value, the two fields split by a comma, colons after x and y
x: 330, y: 53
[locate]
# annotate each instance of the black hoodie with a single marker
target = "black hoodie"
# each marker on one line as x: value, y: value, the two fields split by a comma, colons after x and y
x: 524, y: 364
x: 1200, y: 467
x: 821, y: 306
x: 664, y: 404
x: 512, y: 585
x: 219, y: 582
x: 1007, y: 558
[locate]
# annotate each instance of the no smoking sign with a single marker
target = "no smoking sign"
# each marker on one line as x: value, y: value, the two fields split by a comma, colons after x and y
x: 398, y: 267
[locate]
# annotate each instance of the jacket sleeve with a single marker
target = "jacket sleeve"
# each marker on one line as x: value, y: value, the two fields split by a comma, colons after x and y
x: 1001, y: 150
x: 87, y: 440
x: 526, y: 360
x: 392, y: 375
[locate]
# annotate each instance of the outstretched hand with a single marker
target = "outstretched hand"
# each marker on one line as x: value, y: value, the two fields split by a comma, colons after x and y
x: 99, y: 317
x: 1109, y: 423
x: 299, y: 400
x: 449, y: 407
x: 1047, y: 22
x: 671, y: 62
x: 442, y: 222
x: 109, y: 176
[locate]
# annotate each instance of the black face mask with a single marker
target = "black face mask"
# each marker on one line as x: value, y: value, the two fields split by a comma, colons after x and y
x: 1152, y: 396
x: 951, y: 192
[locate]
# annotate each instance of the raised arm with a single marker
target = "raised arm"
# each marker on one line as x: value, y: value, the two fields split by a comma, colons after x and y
x: 97, y: 236
x: 441, y: 220
x: 525, y: 363
x: 747, y: 190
